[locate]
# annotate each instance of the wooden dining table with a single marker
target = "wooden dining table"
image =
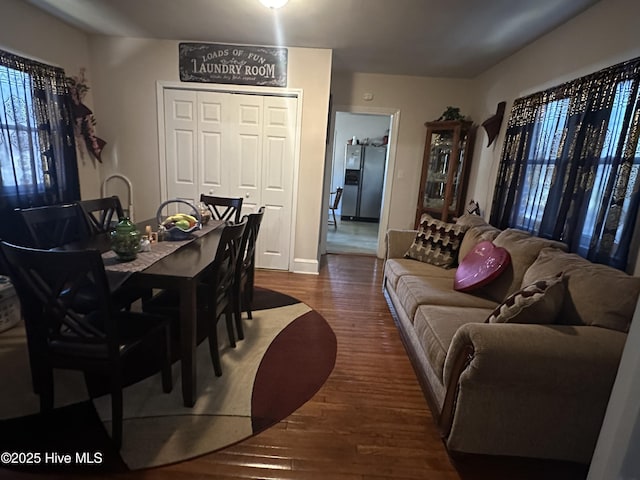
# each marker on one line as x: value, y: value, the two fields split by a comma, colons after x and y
x: 180, y: 270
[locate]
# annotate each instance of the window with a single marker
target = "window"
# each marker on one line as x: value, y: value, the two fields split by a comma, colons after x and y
x: 570, y: 163
x: 38, y: 163
x: 19, y: 134
x: 539, y: 168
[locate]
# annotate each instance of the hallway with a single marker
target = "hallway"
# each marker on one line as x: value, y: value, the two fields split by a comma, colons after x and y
x: 353, y: 237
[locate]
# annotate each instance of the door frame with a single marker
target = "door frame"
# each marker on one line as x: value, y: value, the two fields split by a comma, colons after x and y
x: 297, y: 93
x: 394, y: 115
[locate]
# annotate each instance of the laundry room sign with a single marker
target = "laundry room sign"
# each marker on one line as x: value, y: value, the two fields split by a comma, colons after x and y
x: 235, y: 64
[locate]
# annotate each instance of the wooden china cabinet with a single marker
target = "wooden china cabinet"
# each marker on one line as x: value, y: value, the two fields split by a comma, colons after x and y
x: 445, y: 169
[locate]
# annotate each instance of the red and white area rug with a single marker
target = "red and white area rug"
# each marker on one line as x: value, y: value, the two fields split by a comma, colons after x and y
x: 288, y: 352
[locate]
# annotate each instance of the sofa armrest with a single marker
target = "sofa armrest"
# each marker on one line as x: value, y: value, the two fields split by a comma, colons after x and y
x: 536, y: 358
x: 554, y: 356
x: 398, y: 242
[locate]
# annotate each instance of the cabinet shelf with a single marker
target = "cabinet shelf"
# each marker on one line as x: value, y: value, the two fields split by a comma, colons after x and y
x: 445, y: 166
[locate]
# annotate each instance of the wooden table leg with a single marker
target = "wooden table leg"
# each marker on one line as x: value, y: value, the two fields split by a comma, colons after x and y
x: 188, y: 316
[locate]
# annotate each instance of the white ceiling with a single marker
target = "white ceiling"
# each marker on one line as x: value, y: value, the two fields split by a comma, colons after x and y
x: 442, y: 38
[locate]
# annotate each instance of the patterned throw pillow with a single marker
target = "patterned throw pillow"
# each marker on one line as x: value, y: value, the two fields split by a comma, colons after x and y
x: 538, y: 303
x: 437, y: 242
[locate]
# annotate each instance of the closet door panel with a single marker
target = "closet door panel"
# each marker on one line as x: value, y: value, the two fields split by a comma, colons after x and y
x: 181, y: 127
x: 234, y: 144
x: 272, y: 250
x: 211, y: 154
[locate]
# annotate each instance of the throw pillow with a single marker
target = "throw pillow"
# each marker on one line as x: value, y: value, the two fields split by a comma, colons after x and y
x: 484, y: 263
x: 523, y: 248
x: 436, y: 242
x: 538, y: 303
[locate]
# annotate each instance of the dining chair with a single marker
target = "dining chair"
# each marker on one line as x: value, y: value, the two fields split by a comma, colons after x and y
x: 334, y: 206
x: 223, y: 208
x: 100, y: 341
x: 53, y: 225
x: 102, y: 214
x: 245, y: 271
x: 216, y: 294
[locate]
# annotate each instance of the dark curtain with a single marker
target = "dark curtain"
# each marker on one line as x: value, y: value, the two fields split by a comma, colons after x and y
x: 569, y: 165
x: 37, y: 145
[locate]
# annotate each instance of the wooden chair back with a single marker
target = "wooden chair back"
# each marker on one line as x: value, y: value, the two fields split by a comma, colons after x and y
x: 51, y: 284
x: 55, y: 225
x: 247, y: 261
x: 336, y: 199
x: 223, y: 208
x: 102, y: 214
x: 334, y: 206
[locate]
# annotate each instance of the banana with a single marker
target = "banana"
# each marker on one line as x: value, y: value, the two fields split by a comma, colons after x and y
x: 181, y: 216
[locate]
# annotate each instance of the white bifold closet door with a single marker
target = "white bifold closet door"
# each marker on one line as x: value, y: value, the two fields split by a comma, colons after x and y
x: 231, y: 144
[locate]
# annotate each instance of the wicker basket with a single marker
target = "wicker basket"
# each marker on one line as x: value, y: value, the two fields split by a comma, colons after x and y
x: 176, y: 233
x: 9, y: 305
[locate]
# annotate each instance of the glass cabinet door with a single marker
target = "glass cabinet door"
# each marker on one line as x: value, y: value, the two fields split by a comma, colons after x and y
x: 445, y: 163
x: 438, y: 171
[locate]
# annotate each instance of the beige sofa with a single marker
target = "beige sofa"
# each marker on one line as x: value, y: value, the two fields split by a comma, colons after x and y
x: 534, y: 390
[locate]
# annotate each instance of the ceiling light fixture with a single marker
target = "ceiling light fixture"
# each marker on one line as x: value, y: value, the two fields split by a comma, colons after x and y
x: 274, y: 3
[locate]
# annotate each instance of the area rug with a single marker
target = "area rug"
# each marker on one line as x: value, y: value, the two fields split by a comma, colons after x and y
x: 288, y: 352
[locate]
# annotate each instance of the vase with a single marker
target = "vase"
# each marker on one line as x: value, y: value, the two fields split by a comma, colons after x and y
x: 125, y: 240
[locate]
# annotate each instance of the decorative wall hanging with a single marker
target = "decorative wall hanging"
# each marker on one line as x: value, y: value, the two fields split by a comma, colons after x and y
x: 235, y: 64
x: 85, y: 122
x: 492, y: 124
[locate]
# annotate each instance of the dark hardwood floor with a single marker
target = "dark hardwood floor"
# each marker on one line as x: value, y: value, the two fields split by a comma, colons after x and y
x: 369, y: 421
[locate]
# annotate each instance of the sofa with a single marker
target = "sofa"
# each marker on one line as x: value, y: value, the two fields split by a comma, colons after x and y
x: 531, y: 384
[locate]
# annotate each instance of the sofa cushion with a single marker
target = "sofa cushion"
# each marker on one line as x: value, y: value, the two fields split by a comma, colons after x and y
x: 397, y: 267
x: 597, y: 294
x: 435, y: 327
x: 539, y: 302
x: 523, y: 249
x: 437, y: 242
x: 475, y: 235
x: 470, y: 220
x: 414, y: 291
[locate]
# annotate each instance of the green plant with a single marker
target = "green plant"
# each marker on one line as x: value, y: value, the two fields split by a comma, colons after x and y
x: 452, y: 113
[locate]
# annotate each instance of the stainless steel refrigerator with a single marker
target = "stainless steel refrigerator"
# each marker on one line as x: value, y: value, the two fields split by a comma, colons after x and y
x: 364, y: 178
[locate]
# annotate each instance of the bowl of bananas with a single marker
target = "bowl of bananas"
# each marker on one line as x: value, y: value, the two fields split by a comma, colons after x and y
x: 179, y: 226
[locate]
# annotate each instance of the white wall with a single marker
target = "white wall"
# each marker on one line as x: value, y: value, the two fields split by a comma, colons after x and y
x: 419, y: 100
x: 125, y: 72
x: 603, y: 35
x: 31, y: 33
x: 618, y: 448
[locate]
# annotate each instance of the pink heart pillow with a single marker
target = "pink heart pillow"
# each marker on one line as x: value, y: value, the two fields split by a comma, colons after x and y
x: 484, y: 263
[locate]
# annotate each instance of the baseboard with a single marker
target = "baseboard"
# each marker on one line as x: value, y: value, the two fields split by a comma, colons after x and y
x: 306, y: 265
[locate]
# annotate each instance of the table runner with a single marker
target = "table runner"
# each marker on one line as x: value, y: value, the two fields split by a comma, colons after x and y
x: 158, y: 251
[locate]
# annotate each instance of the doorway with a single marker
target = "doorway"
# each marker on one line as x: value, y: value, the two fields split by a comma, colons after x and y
x: 360, y: 160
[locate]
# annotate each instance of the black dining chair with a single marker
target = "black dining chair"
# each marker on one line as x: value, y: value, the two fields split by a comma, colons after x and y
x: 216, y: 294
x: 53, y: 225
x: 333, y: 206
x: 58, y: 225
x: 245, y: 271
x: 99, y: 341
x: 102, y: 214
x: 223, y: 208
